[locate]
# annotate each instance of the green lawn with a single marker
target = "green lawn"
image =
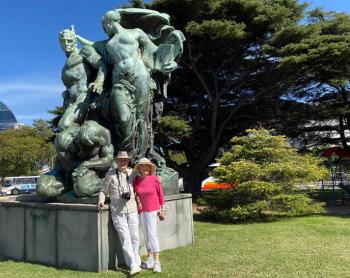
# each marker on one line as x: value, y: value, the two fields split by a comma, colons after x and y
x: 317, y: 246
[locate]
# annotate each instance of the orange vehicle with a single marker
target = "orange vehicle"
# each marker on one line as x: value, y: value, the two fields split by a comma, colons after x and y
x: 211, y: 183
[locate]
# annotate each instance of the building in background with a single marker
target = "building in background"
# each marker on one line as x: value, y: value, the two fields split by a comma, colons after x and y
x: 7, y: 119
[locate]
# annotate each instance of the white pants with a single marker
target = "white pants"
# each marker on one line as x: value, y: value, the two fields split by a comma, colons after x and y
x: 148, y: 221
x: 127, y: 226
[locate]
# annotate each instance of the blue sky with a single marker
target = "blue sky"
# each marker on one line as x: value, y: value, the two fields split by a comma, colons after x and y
x: 31, y: 58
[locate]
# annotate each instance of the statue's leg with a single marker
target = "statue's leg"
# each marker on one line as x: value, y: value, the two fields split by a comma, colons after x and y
x: 123, y: 117
x: 143, y: 104
x: 76, y: 112
x: 87, y: 184
x: 50, y: 185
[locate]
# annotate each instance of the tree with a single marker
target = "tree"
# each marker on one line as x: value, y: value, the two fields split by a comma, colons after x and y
x: 44, y: 129
x: 226, y: 81
x: 265, y: 170
x: 24, y: 151
x: 320, y: 51
x: 57, y: 112
x: 137, y: 3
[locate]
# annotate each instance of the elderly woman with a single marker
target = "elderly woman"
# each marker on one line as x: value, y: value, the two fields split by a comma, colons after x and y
x: 150, y: 196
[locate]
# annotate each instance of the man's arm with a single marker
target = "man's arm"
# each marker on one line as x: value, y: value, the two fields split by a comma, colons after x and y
x: 104, y: 191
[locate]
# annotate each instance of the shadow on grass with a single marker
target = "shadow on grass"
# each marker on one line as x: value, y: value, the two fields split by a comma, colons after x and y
x: 203, y: 218
x: 122, y: 268
x: 4, y: 259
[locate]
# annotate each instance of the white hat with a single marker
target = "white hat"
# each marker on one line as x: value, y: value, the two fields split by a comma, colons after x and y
x: 122, y: 154
x: 145, y: 161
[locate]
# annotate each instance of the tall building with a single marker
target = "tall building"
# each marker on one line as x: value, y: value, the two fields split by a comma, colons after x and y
x: 7, y: 119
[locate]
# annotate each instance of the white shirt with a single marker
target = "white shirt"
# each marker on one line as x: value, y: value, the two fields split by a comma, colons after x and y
x: 112, y: 188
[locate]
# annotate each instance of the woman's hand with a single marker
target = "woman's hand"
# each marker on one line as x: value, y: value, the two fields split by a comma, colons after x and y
x: 161, y: 215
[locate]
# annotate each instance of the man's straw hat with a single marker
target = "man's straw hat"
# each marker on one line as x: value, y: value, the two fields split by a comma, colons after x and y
x: 122, y: 154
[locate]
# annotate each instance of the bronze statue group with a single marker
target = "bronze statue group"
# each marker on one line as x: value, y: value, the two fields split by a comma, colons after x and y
x: 114, y: 96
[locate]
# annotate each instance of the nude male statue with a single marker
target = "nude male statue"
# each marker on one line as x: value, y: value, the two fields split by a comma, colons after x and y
x: 85, y: 153
x: 76, y: 76
x: 130, y: 53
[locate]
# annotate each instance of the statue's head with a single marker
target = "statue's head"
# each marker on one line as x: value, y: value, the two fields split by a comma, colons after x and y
x: 109, y: 20
x: 68, y: 40
x: 91, y: 134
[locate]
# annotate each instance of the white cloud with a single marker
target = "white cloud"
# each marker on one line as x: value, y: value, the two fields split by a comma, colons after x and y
x: 31, y: 117
x: 30, y: 97
x: 15, y: 87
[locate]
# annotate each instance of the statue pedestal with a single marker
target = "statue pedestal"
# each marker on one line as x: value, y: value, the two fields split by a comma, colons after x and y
x: 77, y: 236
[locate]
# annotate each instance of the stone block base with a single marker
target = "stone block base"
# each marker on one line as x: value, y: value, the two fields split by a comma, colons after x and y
x: 77, y: 236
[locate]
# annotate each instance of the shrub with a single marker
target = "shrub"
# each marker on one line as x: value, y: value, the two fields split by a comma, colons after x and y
x: 266, y: 170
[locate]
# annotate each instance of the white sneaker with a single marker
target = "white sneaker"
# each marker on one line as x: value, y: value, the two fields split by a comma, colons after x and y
x: 157, y: 267
x: 149, y: 264
x: 135, y: 271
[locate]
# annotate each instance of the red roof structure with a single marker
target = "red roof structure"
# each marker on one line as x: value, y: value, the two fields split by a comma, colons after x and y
x: 338, y: 151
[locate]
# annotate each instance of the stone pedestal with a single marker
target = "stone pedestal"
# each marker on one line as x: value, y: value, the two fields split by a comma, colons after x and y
x: 77, y: 236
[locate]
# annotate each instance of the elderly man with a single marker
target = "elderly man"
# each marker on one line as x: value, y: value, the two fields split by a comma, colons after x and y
x: 123, y: 207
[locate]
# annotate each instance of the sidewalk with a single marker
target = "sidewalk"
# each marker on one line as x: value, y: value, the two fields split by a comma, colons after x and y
x: 340, y: 209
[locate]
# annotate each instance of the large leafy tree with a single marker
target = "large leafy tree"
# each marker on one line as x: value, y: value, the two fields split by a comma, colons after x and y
x: 226, y: 81
x: 319, y: 50
x: 26, y: 150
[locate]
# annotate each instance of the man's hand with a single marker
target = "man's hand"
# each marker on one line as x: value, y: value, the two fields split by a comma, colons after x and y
x: 96, y: 87
x: 100, y: 205
x: 159, y: 179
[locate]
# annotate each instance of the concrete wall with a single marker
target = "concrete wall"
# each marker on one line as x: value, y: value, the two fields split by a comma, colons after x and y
x: 77, y: 236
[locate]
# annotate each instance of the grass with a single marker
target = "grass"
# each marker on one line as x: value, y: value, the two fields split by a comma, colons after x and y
x: 316, y: 246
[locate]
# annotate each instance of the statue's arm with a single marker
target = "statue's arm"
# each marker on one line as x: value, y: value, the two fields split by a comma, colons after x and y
x: 148, y: 48
x: 67, y: 160
x: 84, y: 41
x: 104, y: 162
x: 91, y: 56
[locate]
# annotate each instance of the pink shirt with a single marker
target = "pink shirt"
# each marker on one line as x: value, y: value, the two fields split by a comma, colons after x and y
x: 150, y: 192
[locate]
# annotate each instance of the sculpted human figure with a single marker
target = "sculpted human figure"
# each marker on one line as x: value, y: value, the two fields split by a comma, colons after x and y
x: 86, y: 154
x: 131, y: 52
x: 76, y: 76
x: 114, y: 96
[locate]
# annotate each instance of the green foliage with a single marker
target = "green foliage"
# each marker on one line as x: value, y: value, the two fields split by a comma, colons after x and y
x: 265, y: 170
x: 220, y: 29
x: 174, y: 126
x: 137, y: 3
x: 294, y: 205
x: 57, y: 112
x: 229, y: 77
x: 24, y: 151
x: 265, y: 157
x: 178, y: 157
x: 44, y: 129
x: 319, y: 51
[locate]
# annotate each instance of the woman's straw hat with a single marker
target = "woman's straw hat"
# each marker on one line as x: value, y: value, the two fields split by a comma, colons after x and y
x: 145, y: 161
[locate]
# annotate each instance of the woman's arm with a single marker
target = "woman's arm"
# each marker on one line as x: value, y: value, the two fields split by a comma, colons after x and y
x: 160, y: 194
